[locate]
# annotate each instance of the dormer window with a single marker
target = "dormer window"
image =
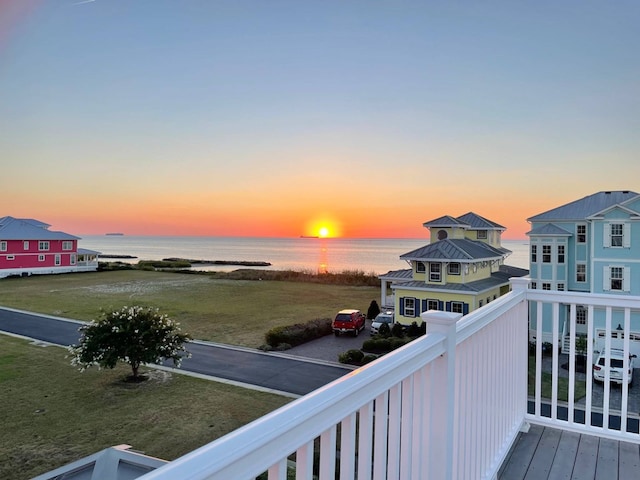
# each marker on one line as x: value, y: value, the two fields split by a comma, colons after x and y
x: 482, y: 234
x: 420, y: 268
x: 453, y: 269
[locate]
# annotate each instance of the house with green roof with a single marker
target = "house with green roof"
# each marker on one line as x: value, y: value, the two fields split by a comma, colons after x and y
x: 460, y: 269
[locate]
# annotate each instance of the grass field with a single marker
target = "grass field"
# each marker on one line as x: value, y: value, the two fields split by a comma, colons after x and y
x: 52, y: 414
x: 236, y: 312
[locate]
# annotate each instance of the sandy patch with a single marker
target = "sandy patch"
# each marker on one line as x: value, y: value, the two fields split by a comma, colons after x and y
x: 144, y: 287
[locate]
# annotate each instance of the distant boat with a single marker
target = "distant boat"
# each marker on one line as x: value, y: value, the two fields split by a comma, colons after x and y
x: 114, y: 233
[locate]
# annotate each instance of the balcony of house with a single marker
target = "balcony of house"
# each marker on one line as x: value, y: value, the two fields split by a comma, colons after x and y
x: 469, y: 400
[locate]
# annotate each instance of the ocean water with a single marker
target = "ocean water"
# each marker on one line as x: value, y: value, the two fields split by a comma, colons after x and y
x: 334, y: 255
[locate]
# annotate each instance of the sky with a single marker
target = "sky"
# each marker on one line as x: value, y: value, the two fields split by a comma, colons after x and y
x: 277, y: 118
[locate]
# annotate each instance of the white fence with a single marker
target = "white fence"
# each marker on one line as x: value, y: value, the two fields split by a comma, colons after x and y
x: 446, y: 406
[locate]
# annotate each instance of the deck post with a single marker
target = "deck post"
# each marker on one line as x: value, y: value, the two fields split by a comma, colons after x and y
x: 443, y: 404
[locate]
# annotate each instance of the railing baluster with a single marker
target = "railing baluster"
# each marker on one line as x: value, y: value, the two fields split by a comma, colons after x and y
x: 380, y: 437
x: 348, y: 447
x: 365, y: 438
x: 395, y: 415
x: 328, y: 453
x: 304, y: 462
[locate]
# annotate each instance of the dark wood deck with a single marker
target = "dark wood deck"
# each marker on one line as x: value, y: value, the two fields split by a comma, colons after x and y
x: 549, y: 453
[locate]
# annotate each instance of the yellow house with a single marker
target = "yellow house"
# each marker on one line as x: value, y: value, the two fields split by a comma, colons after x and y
x: 461, y: 269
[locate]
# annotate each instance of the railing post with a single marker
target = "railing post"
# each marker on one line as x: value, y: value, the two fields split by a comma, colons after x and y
x: 443, y: 407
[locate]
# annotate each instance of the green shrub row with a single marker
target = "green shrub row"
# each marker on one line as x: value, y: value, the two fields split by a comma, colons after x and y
x: 299, y: 333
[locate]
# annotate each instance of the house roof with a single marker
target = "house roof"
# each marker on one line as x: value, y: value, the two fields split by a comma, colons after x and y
x: 397, y: 275
x: 478, y: 222
x: 445, y: 221
x: 495, y: 280
x: 585, y: 207
x: 549, y: 229
x: 459, y: 249
x: 29, y: 229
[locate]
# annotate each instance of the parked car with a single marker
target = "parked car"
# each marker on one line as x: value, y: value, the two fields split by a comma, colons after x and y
x: 382, y: 317
x: 616, y: 366
x: 348, y: 321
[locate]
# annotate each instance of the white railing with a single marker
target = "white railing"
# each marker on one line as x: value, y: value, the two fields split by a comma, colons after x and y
x: 448, y: 405
x: 602, y: 409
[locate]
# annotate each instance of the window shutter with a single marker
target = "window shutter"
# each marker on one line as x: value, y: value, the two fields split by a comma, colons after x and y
x: 440, y: 305
x: 448, y: 309
x: 402, y: 306
x: 416, y: 307
x: 424, y: 306
x: 626, y: 279
x: 606, y: 279
x: 606, y: 235
x: 465, y: 308
x: 626, y: 235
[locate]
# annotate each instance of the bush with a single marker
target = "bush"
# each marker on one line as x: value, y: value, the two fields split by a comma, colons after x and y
x: 353, y: 357
x: 384, y: 330
x: 299, y: 333
x: 396, y: 342
x: 377, y: 344
x: 413, y: 330
x: 368, y: 359
x: 397, y: 330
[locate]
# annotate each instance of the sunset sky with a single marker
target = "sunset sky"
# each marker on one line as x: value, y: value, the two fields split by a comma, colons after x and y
x: 275, y: 118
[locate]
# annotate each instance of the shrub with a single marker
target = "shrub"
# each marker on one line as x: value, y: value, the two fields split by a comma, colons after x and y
x: 413, y: 330
x: 299, y: 333
x: 377, y: 344
x: 396, y: 342
x: 397, y: 330
x: 368, y: 359
x: 353, y: 357
x: 384, y: 330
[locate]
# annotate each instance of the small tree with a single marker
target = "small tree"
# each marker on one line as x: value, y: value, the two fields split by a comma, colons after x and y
x: 134, y: 335
x: 373, y: 310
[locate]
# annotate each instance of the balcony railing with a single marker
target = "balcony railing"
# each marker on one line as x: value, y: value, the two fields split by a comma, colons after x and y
x: 446, y: 406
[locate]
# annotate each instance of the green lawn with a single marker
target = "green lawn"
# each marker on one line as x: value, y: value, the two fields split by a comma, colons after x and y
x: 52, y: 414
x: 236, y: 312
x: 580, y: 387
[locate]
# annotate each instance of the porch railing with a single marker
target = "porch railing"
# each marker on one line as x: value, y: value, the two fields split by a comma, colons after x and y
x: 446, y: 406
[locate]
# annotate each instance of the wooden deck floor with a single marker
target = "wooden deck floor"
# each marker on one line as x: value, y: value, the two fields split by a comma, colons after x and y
x: 548, y: 453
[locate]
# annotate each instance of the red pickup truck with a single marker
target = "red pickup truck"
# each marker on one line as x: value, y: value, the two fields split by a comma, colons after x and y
x: 348, y: 321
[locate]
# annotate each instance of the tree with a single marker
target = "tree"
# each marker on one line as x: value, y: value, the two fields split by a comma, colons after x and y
x: 134, y: 335
x: 373, y: 310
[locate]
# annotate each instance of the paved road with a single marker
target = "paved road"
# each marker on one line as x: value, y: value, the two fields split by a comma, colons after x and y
x: 280, y: 373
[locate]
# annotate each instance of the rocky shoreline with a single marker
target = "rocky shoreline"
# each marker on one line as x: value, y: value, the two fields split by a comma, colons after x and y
x: 218, y: 262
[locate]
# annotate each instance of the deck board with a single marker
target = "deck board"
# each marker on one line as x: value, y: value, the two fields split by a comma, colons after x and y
x: 553, y: 454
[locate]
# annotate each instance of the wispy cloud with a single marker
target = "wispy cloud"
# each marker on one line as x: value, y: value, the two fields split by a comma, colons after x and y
x: 82, y: 2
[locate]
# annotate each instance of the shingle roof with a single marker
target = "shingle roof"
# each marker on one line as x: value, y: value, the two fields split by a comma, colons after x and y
x: 549, y: 229
x: 585, y: 207
x: 455, y: 249
x: 28, y: 229
x: 395, y: 275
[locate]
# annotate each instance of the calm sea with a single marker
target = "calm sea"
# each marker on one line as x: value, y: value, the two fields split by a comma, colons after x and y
x: 304, y: 254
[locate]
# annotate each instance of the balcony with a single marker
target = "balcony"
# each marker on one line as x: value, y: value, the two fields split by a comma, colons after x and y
x: 454, y: 404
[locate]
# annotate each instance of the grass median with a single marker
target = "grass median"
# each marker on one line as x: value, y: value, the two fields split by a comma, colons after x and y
x: 236, y: 312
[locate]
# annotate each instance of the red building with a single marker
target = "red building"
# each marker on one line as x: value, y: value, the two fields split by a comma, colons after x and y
x: 28, y: 247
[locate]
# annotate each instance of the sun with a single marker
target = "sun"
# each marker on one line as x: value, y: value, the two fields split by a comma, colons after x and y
x: 323, y: 232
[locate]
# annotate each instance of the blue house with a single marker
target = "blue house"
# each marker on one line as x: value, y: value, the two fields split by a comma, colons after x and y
x: 589, y: 245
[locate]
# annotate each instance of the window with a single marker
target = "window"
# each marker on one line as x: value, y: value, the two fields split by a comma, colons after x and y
x: 561, y: 287
x: 457, y: 307
x: 409, y: 307
x: 480, y: 303
x: 546, y: 286
x: 72, y: 259
x: 616, y: 234
x: 67, y: 245
x: 560, y: 253
x: 616, y: 277
x: 432, y: 304
x: 57, y: 259
x: 3, y: 246
x: 482, y: 234
x: 25, y: 245
x: 420, y: 268
x: 546, y: 254
x: 41, y: 258
x: 42, y: 245
x: 434, y: 272
x: 581, y: 315
x: 581, y: 233
x: 534, y: 285
x: 534, y: 253
x: 453, y: 269
x: 581, y: 272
